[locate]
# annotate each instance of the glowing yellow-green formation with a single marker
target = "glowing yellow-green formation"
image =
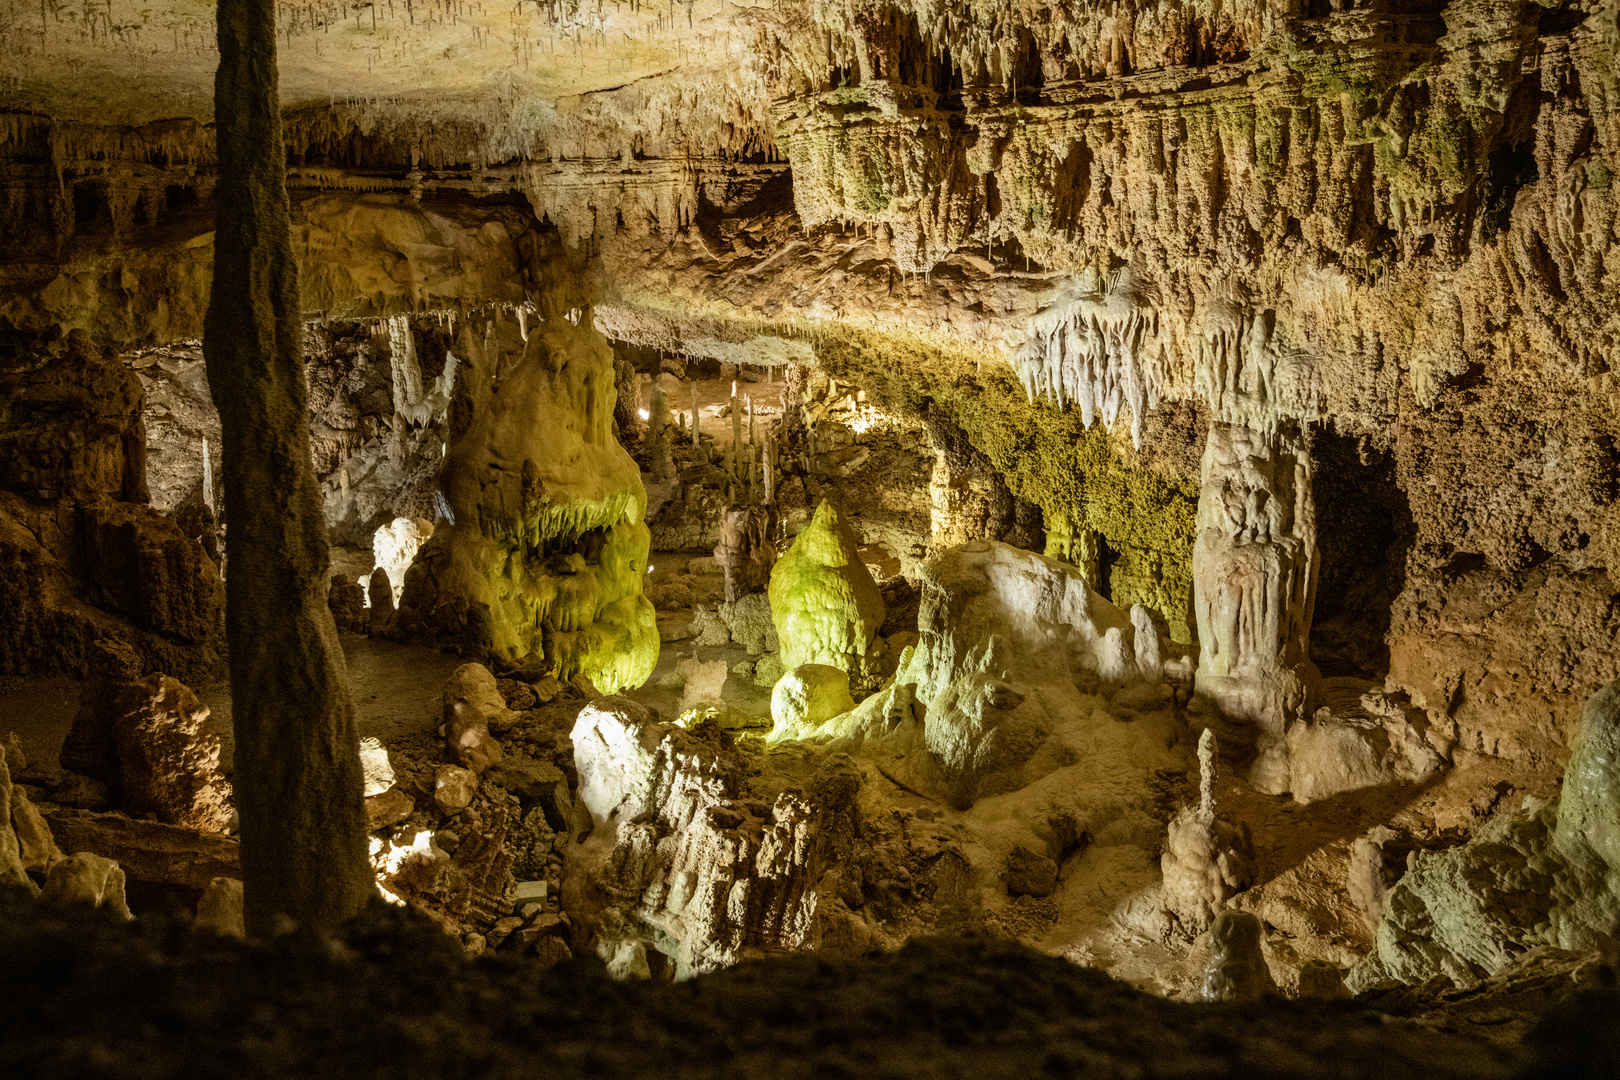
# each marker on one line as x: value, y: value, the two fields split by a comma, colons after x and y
x: 826, y: 607
x: 549, y: 548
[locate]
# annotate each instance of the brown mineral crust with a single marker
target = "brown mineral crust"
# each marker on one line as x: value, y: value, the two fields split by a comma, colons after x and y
x: 148, y: 851
x: 169, y: 765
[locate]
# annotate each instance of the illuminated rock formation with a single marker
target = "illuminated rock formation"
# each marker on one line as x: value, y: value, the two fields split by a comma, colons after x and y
x: 1254, y: 572
x: 680, y: 857
x: 825, y: 605
x: 547, y: 549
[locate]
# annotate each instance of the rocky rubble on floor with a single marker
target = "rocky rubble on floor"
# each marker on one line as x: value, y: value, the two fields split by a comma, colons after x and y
x: 479, y: 849
x: 1537, y: 874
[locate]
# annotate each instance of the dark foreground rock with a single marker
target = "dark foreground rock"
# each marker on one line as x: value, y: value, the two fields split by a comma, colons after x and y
x: 396, y: 998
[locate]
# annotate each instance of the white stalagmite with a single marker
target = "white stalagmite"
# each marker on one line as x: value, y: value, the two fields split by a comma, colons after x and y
x: 207, y: 477
x: 1206, y: 776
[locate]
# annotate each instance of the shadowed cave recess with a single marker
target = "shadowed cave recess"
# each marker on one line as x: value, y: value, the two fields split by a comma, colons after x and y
x: 874, y: 537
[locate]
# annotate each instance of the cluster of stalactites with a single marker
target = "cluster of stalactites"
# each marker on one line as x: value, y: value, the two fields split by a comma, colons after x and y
x: 1101, y: 353
x: 1243, y: 370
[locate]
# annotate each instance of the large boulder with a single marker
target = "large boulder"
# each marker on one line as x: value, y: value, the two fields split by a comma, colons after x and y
x: 168, y: 764
x: 89, y: 880
x: 1539, y: 874
x: 826, y: 607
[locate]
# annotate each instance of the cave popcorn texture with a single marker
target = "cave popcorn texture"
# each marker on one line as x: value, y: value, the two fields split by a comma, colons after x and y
x: 548, y: 547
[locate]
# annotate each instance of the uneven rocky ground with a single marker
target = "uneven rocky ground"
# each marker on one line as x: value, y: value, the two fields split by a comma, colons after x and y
x: 395, y: 998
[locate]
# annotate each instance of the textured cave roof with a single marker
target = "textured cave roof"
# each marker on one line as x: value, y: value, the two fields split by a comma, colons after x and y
x: 138, y: 61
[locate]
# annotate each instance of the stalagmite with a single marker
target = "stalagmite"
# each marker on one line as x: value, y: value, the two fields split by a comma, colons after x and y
x: 663, y: 465
x: 298, y: 781
x: 207, y: 478
x: 1254, y: 572
x: 736, y: 433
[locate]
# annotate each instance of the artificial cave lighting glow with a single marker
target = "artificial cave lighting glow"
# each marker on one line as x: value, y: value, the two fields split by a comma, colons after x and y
x: 867, y: 419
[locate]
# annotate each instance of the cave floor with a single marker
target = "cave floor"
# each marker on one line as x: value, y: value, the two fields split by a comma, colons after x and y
x: 396, y: 690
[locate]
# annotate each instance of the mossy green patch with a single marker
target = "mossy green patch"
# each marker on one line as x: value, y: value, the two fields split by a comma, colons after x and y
x: 1047, y: 456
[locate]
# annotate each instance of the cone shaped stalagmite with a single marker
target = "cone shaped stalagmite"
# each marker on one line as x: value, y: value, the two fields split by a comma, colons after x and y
x: 297, y: 774
x: 825, y: 604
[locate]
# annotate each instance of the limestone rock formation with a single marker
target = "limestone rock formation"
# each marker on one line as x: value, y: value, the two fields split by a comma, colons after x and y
x: 90, y: 747
x: 148, y: 851
x: 168, y: 764
x: 1378, y: 742
x: 12, y: 869
x: 825, y: 604
x: 746, y: 552
x: 547, y: 548
x: 1541, y: 873
x: 680, y: 857
x: 90, y: 559
x: 1254, y: 566
x: 807, y: 697
x: 348, y: 603
x: 379, y: 603
x: 1237, y: 970
x: 375, y: 767
x: 87, y: 879
x: 454, y: 788
x: 1012, y: 674
x: 1207, y: 859
x: 219, y: 911
x: 394, y: 546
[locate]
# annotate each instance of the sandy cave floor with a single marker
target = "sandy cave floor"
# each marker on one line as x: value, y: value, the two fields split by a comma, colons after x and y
x: 396, y: 688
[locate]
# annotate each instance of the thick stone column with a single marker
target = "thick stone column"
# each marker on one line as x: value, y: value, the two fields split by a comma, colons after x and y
x: 298, y: 782
x: 1254, y: 582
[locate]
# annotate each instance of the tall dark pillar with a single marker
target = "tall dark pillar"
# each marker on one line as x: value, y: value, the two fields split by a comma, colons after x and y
x: 298, y: 785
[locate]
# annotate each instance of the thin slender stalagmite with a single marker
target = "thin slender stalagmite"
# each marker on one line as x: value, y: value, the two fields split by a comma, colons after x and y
x: 298, y: 783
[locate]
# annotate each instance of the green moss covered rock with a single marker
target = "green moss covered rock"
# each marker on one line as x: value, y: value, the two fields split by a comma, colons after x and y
x: 825, y: 604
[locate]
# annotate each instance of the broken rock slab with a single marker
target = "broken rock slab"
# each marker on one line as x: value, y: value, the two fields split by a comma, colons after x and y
x: 375, y: 768
x: 389, y: 808
x: 148, y: 851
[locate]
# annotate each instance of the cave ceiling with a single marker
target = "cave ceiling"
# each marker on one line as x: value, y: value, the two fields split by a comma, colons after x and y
x: 1104, y: 197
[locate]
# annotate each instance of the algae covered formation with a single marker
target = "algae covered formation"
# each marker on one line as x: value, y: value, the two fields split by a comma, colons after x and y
x: 547, y: 549
x: 826, y: 607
